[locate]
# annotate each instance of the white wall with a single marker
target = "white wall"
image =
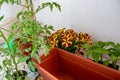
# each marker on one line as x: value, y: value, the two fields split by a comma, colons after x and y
x: 9, y: 13
x: 99, y: 18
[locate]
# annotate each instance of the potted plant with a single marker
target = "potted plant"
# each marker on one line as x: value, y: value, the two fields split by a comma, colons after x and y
x: 114, y: 55
x: 100, y: 49
x: 28, y: 30
x: 10, y: 63
x: 30, y: 33
x: 69, y: 40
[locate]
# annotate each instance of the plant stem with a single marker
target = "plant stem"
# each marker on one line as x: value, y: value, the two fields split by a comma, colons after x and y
x: 115, y: 63
x: 31, y: 3
x: 21, y: 5
x: 32, y: 10
x: 101, y: 57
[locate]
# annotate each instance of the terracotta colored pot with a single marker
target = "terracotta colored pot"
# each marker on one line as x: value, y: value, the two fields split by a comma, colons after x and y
x: 25, y: 46
x: 62, y: 65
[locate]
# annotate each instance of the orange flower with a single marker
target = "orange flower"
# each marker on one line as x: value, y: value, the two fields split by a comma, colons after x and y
x: 66, y: 42
x: 54, y: 43
x: 60, y: 31
x: 69, y: 39
x: 85, y: 38
x: 69, y: 31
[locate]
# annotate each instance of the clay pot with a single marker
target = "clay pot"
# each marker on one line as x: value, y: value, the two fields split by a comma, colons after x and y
x: 62, y: 65
x: 25, y: 46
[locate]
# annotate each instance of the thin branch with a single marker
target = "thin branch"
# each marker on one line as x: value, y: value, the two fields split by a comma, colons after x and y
x: 21, y: 5
x: 6, y: 30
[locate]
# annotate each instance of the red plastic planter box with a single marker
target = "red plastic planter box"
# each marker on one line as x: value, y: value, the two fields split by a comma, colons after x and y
x: 62, y: 65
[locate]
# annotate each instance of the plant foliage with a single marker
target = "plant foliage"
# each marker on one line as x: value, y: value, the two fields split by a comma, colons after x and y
x: 25, y: 30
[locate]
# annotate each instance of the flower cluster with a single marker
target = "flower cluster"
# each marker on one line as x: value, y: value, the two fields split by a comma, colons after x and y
x: 69, y: 40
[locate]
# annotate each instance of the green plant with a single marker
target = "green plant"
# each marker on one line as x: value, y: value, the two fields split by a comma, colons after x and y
x: 100, y: 48
x: 97, y: 50
x: 27, y: 29
x: 69, y: 40
x: 9, y: 65
x: 114, y: 54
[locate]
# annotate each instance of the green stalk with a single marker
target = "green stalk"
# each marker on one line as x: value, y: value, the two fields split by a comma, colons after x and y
x: 101, y: 57
x: 34, y: 19
x: 9, y: 50
x: 27, y: 5
x: 32, y: 10
x: 114, y: 63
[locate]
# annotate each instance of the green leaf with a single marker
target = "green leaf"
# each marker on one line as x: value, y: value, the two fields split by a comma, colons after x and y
x: 117, y: 50
x: 99, y: 44
x: 8, y: 71
x: 89, y: 52
x: 6, y: 1
x: 14, y: 27
x: 28, y: 49
x: 1, y: 2
x: 34, y: 50
x: 106, y: 62
x: 51, y: 27
x: 57, y: 5
x: 48, y: 32
x: 12, y: 2
x: 15, y: 46
x: 101, y: 50
x: 38, y: 8
x: 23, y: 59
x: 1, y: 18
x: 113, y: 58
x: 46, y: 49
x: 96, y: 56
x: 19, y: 14
x: 36, y: 56
x: 88, y: 46
x: 0, y: 68
x: 9, y: 77
x: 109, y: 43
x: 31, y: 66
x: 6, y: 62
x: 51, y: 7
x: 19, y: 78
x: 17, y: 1
x: 1, y: 49
x: 27, y: 78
